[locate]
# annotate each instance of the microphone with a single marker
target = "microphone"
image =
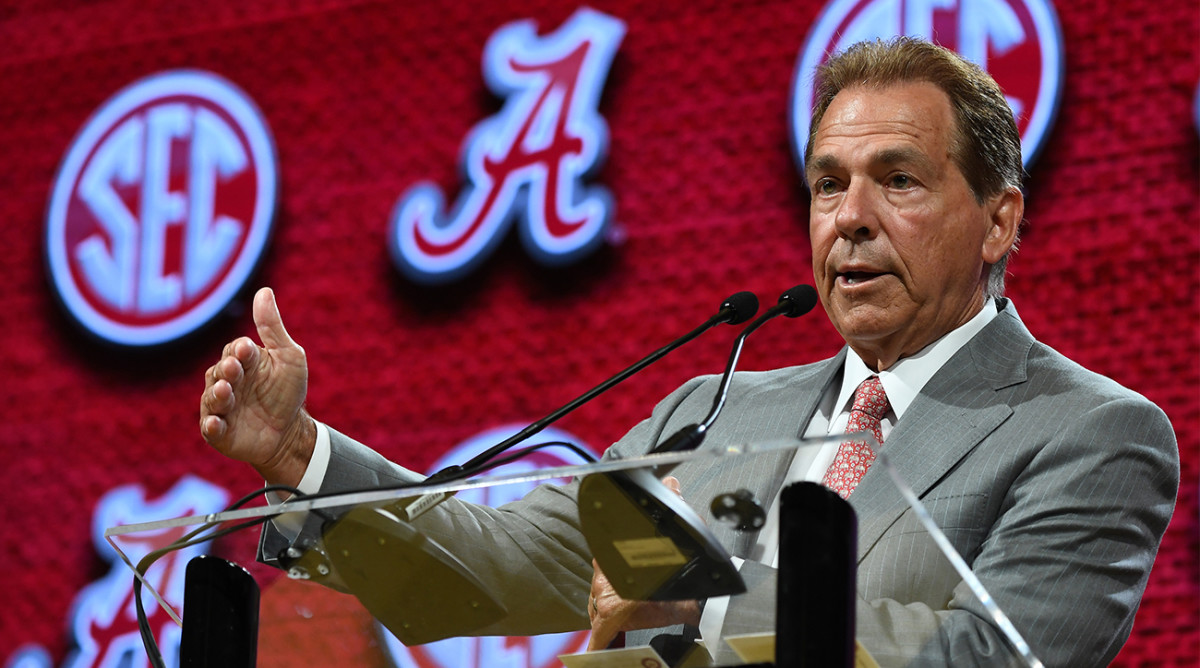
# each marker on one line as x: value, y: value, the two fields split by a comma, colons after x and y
x: 414, y: 586
x: 793, y: 303
x: 740, y: 307
x: 736, y: 309
x: 650, y: 544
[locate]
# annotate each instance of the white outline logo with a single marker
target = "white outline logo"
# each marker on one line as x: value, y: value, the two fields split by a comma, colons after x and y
x: 526, y: 163
x: 161, y: 208
x: 103, y: 619
x: 1018, y: 42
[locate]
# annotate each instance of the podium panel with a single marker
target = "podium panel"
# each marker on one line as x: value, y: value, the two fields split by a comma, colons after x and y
x: 429, y: 567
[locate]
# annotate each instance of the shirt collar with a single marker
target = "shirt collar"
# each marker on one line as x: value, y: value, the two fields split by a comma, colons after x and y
x: 904, y: 380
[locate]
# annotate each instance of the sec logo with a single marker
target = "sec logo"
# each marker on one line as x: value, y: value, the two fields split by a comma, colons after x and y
x: 162, y: 208
x: 1018, y: 42
x: 497, y: 652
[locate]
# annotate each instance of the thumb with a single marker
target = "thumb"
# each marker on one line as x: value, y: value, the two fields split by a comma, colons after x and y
x: 268, y: 321
x: 671, y: 483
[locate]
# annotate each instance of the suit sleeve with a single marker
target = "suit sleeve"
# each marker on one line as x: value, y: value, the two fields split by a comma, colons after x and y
x: 530, y: 551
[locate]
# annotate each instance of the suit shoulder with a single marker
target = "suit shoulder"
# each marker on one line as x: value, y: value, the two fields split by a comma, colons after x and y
x: 1052, y: 374
x: 1054, y: 371
x: 748, y: 384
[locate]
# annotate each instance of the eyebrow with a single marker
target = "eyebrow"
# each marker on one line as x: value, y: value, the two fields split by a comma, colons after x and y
x: 888, y: 156
x: 821, y: 163
x: 894, y: 156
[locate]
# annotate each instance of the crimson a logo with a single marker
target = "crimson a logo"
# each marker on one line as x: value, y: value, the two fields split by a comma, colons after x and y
x: 1018, y: 42
x: 103, y: 619
x: 497, y: 652
x: 161, y: 208
x: 526, y: 164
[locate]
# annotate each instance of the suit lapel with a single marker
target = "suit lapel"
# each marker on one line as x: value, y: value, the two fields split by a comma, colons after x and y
x: 956, y: 410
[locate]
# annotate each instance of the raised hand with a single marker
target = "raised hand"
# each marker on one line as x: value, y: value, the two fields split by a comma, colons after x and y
x: 252, y: 408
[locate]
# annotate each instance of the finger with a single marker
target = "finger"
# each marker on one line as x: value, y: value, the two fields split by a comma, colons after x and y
x: 672, y: 483
x: 242, y: 350
x: 211, y: 428
x: 269, y: 322
x: 222, y: 397
x: 606, y: 618
x: 607, y: 624
x: 600, y: 584
x: 228, y: 369
x: 603, y: 633
x: 244, y: 356
x: 217, y: 400
x: 608, y: 621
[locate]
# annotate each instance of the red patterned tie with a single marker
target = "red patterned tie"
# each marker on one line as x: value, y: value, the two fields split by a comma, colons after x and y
x: 854, y: 457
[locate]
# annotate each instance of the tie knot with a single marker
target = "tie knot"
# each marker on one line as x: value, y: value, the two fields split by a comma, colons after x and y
x: 870, y: 399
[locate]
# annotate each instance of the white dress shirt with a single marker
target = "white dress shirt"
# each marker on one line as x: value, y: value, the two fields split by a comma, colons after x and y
x: 902, y: 383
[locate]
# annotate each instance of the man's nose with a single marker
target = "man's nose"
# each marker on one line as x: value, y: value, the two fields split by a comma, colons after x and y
x: 857, y: 214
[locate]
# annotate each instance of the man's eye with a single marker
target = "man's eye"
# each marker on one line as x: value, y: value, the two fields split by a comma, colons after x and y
x: 901, y: 182
x: 826, y: 187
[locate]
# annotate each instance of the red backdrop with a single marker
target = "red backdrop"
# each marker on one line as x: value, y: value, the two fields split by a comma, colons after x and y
x: 365, y: 99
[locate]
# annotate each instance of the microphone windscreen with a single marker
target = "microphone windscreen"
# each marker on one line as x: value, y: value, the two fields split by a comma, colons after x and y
x: 801, y: 298
x: 743, y: 306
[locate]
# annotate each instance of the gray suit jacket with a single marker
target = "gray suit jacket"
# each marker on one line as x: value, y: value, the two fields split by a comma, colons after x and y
x: 1055, y: 484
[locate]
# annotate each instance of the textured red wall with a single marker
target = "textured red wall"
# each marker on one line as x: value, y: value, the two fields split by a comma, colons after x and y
x: 365, y: 99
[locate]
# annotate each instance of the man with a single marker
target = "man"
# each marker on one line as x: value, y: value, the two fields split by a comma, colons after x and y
x: 1055, y: 484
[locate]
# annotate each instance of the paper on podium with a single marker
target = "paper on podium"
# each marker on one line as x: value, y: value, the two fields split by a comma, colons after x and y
x: 760, y: 648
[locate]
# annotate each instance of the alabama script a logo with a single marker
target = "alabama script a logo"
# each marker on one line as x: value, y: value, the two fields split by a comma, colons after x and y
x: 1018, y: 42
x: 161, y: 208
x: 527, y: 163
x: 103, y: 619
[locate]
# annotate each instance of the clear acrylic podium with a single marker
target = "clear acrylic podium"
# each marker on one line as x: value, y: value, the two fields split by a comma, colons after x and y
x: 430, y: 570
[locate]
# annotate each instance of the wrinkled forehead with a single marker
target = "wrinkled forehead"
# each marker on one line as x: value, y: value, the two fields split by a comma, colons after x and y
x: 899, y: 122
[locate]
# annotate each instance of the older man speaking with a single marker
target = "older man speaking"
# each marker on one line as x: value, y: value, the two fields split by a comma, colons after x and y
x: 1054, y: 483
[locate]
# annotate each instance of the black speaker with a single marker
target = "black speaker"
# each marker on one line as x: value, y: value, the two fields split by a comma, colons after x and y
x: 818, y: 555
x: 220, y: 615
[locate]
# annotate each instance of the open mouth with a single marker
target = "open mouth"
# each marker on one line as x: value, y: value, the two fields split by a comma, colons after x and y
x: 857, y: 277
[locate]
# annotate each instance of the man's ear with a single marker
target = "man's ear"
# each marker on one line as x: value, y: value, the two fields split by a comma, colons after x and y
x: 1005, y: 211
